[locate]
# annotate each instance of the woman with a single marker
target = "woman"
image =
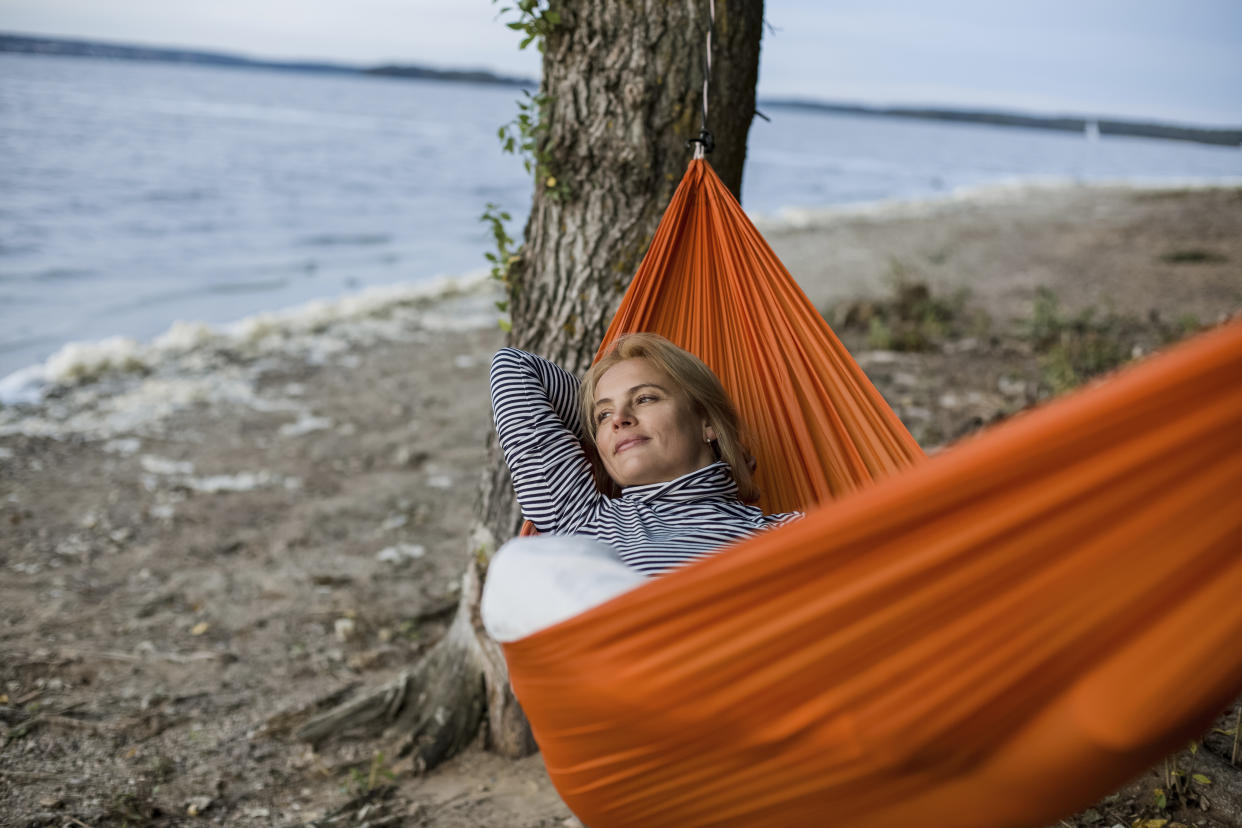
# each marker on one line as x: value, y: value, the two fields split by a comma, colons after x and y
x: 677, y: 487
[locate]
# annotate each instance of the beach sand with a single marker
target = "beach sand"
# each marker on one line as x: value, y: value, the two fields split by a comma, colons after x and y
x: 253, y: 522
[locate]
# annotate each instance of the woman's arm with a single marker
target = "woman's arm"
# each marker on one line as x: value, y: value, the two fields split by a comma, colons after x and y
x: 535, y: 404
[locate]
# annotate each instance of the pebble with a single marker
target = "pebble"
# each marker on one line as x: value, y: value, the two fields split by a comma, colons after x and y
x: 970, y: 343
x: 162, y: 511
x: 305, y: 424
x: 393, y: 522
x: 401, y: 552
x: 344, y: 628
x: 950, y: 400
x: 866, y: 358
x: 1011, y: 387
x: 196, y: 805
x: 125, y: 446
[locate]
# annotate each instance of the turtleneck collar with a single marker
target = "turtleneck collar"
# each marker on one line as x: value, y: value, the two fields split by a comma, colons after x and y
x: 713, y: 480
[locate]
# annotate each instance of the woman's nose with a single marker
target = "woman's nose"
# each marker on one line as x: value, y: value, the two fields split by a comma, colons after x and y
x: 622, y: 417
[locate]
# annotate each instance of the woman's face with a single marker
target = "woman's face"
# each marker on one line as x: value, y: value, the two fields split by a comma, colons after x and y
x: 645, y: 427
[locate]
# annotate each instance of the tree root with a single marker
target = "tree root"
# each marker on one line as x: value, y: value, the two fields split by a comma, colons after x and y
x: 435, y: 708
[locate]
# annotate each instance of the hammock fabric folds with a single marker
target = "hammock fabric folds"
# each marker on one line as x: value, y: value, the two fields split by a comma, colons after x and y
x: 997, y: 635
x: 711, y: 284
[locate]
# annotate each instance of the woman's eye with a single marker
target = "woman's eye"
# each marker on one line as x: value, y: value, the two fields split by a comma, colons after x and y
x: 601, y: 416
x: 646, y: 398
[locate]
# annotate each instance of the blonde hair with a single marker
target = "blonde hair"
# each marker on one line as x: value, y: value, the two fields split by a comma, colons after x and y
x: 707, y: 397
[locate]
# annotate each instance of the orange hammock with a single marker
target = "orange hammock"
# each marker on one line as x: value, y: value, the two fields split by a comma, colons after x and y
x: 994, y: 636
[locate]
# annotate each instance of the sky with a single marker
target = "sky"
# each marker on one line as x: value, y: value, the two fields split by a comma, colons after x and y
x: 1167, y: 60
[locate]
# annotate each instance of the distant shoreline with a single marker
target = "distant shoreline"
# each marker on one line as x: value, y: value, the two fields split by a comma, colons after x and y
x: 65, y: 47
x: 1066, y: 123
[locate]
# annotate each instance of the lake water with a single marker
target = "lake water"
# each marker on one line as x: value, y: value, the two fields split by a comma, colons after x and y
x: 136, y: 194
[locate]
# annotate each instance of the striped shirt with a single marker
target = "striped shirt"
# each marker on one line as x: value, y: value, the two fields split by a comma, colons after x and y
x: 654, y: 527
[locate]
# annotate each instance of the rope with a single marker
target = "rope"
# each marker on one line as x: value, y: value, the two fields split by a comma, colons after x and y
x: 704, y: 143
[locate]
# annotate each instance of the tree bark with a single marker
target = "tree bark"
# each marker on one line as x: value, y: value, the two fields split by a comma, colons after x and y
x: 623, y: 90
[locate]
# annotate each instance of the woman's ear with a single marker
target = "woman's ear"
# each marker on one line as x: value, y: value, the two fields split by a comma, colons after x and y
x: 709, y: 433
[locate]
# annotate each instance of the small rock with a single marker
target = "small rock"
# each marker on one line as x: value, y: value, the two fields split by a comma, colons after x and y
x: 196, y: 805
x: 401, y: 553
x: 162, y: 511
x: 1011, y: 386
x: 345, y: 628
x: 305, y: 424
x: 162, y: 465
x: 969, y: 343
x: 393, y: 522
x: 866, y: 358
x: 125, y: 447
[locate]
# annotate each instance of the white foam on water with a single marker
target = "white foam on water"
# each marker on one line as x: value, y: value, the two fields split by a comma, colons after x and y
x: 23, y: 386
x: 79, y: 361
x: 137, y: 408
x: 118, y: 386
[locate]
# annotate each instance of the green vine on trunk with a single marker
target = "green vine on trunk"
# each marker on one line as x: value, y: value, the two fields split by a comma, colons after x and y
x: 525, y: 135
x: 505, y: 255
x: 536, y: 19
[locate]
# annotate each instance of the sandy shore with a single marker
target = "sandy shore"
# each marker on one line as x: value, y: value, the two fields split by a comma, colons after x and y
x: 249, y: 523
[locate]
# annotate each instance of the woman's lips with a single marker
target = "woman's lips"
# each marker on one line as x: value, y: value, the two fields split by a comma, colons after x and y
x: 628, y: 442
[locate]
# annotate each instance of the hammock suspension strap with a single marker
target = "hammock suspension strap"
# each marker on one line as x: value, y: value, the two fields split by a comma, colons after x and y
x: 705, y: 143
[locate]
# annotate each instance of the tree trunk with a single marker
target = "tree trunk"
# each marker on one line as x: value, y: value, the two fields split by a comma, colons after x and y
x: 623, y: 90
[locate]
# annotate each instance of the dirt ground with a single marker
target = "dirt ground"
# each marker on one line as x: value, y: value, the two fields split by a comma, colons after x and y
x: 197, y: 552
